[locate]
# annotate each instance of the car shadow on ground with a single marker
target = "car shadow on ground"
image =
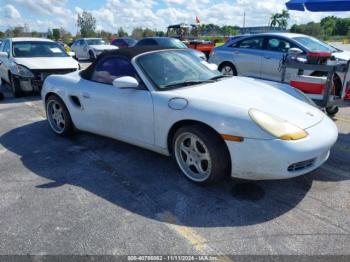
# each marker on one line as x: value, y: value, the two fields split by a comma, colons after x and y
x: 9, y: 99
x: 150, y: 184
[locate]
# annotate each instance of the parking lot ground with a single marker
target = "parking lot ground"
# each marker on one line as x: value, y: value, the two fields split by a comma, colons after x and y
x: 93, y: 195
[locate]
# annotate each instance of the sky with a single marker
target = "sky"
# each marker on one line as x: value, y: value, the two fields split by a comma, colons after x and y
x: 40, y: 15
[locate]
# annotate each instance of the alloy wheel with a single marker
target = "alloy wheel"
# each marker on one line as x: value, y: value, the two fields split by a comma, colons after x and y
x: 56, y: 116
x: 227, y: 70
x: 193, y: 157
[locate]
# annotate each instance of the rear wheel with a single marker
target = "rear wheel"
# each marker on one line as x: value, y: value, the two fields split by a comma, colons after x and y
x: 15, y: 86
x: 58, y: 116
x: 228, y: 69
x: 201, y: 154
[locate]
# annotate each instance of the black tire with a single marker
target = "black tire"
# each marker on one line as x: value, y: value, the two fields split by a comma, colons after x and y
x: 217, y: 150
x: 62, y: 130
x: 92, y: 56
x: 231, y: 66
x: 332, y: 110
x: 2, y: 96
x: 15, y: 86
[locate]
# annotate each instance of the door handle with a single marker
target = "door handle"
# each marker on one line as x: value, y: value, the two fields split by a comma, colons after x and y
x: 267, y: 57
x: 86, y: 95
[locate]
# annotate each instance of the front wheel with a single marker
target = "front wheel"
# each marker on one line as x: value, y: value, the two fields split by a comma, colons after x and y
x: 15, y: 87
x: 201, y: 154
x: 228, y: 69
x: 58, y: 116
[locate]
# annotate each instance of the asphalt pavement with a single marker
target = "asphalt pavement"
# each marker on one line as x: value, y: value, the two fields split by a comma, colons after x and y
x: 93, y: 195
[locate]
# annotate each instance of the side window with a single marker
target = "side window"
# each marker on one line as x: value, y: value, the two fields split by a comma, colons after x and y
x: 7, y: 47
x: 2, y: 46
x: 251, y: 43
x: 278, y: 45
x: 111, y: 68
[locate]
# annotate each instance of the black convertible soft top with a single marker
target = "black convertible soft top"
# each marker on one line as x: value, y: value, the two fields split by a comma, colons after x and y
x: 129, y: 53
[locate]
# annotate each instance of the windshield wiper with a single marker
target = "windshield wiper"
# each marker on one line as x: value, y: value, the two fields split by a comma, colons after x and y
x: 220, y: 76
x: 189, y: 83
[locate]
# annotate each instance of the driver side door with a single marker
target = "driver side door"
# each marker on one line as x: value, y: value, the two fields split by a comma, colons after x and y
x: 124, y: 114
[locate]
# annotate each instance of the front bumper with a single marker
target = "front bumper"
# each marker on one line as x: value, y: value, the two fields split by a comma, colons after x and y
x: 34, y: 84
x: 277, y: 159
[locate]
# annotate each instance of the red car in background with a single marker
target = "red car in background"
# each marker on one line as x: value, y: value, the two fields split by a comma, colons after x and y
x: 188, y: 35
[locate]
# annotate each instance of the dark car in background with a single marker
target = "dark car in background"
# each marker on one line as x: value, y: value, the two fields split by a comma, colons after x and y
x: 123, y: 42
x: 169, y: 42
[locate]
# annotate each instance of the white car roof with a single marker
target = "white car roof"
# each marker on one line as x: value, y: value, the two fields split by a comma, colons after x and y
x: 31, y: 39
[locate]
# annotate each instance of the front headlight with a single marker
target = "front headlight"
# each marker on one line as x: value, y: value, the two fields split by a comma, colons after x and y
x: 20, y: 70
x: 277, y: 127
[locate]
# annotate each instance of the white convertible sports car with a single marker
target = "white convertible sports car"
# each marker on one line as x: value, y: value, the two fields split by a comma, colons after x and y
x: 170, y: 102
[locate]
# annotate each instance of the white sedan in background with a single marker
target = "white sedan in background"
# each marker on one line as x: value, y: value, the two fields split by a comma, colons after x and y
x: 170, y: 102
x: 90, y: 48
x: 26, y: 62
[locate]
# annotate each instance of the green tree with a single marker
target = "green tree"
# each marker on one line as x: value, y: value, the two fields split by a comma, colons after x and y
x: 17, y: 31
x: 228, y: 30
x: 2, y: 34
x: 148, y: 33
x: 34, y: 34
x: 280, y: 19
x: 87, y: 24
x: 65, y: 36
x: 137, y: 33
x: 49, y: 34
x: 160, y: 33
x: 328, y: 25
x: 56, y: 34
x: 341, y: 26
x: 121, y: 32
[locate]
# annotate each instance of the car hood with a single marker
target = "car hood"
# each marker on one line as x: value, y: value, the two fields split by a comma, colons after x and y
x: 252, y: 93
x: 104, y: 47
x: 343, y: 55
x: 48, y: 62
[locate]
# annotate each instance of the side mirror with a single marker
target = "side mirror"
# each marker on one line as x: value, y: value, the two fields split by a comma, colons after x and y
x: 125, y: 82
x: 295, y: 51
x: 71, y: 54
x: 4, y: 54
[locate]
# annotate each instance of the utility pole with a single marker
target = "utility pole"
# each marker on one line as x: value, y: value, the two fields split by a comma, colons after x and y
x: 244, y: 20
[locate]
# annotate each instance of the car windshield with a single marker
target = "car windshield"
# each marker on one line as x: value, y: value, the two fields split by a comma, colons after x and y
x: 313, y: 44
x: 95, y: 42
x: 175, y: 69
x: 171, y: 43
x: 37, y: 49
